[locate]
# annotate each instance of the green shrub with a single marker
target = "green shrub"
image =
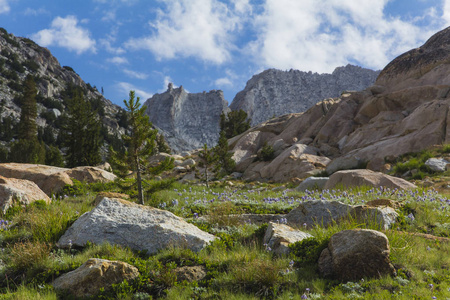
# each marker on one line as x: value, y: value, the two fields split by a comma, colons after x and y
x: 308, y: 250
x: 266, y: 153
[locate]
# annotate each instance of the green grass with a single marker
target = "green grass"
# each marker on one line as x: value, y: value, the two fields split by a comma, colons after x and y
x: 238, y: 265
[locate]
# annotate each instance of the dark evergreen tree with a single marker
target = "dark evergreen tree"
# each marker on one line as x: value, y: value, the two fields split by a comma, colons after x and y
x: 81, y: 130
x: 28, y: 114
x: 27, y: 149
x: 234, y: 123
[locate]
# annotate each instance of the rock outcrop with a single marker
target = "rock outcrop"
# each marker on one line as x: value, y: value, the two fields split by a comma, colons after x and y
x: 187, y: 120
x: 93, y: 275
x: 18, y: 191
x: 52, y: 179
x: 367, y: 127
x: 275, y: 92
x: 354, y: 254
x: 139, y: 227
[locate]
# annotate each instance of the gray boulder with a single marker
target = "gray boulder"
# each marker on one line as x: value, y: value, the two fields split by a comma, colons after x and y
x: 437, y: 164
x: 279, y: 236
x: 355, y: 254
x: 139, y: 227
x: 93, y: 275
x: 312, y: 183
x: 363, y: 177
x: 325, y: 213
x: 320, y: 212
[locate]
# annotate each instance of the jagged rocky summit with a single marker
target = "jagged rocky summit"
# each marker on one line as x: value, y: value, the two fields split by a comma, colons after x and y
x: 407, y: 110
x: 187, y: 120
x: 273, y: 93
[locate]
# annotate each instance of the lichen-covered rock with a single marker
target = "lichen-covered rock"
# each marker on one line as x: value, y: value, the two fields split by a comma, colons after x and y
x: 91, y: 174
x: 19, y: 191
x: 93, y: 275
x: 139, y: 227
x: 279, y: 236
x: 190, y: 273
x: 437, y: 164
x: 354, y: 254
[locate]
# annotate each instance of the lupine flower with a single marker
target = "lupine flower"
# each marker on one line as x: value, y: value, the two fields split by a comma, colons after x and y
x: 304, y: 296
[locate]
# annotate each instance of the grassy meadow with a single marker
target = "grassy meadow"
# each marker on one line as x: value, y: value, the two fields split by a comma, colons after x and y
x: 238, y: 265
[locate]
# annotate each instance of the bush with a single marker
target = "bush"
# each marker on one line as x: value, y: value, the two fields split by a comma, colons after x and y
x: 266, y: 153
x: 308, y: 250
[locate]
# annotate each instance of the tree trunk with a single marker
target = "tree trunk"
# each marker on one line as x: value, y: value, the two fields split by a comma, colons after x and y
x: 139, y: 182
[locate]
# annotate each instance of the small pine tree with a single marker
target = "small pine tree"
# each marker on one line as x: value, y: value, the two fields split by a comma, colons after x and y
x: 141, y: 143
x: 209, y: 159
x: 224, y: 163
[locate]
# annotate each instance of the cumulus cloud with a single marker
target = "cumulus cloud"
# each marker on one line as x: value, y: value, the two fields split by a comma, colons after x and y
x: 228, y: 80
x: 446, y: 12
x: 320, y: 35
x: 65, y: 32
x: 4, y: 7
x: 125, y: 88
x: 192, y: 28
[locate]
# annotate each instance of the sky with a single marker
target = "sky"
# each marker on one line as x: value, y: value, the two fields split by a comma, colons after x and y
x: 203, y: 45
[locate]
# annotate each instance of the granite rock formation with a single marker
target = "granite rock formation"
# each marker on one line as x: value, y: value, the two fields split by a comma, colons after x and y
x: 382, y: 122
x: 275, y: 92
x: 187, y: 120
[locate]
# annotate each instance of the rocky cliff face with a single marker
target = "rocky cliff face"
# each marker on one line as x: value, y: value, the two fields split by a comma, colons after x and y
x: 407, y: 111
x: 275, y: 93
x: 20, y: 57
x: 187, y: 120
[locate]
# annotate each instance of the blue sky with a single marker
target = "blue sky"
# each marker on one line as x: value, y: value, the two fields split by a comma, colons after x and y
x: 119, y: 45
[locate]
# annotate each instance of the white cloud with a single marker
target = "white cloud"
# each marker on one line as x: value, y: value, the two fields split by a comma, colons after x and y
x: 66, y: 33
x: 134, y: 74
x: 321, y: 35
x: 228, y: 80
x: 4, y: 7
x: 446, y: 12
x: 224, y: 81
x: 125, y: 88
x: 118, y: 60
x: 34, y: 12
x: 191, y: 28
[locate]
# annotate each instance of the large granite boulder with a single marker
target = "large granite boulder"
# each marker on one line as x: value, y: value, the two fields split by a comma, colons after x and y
x: 279, y: 236
x: 52, y: 179
x: 318, y: 212
x: 326, y: 213
x: 298, y: 161
x: 355, y: 254
x: 139, y: 227
x: 90, y: 174
x: 49, y: 179
x: 94, y: 274
x: 19, y: 191
x: 363, y: 177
